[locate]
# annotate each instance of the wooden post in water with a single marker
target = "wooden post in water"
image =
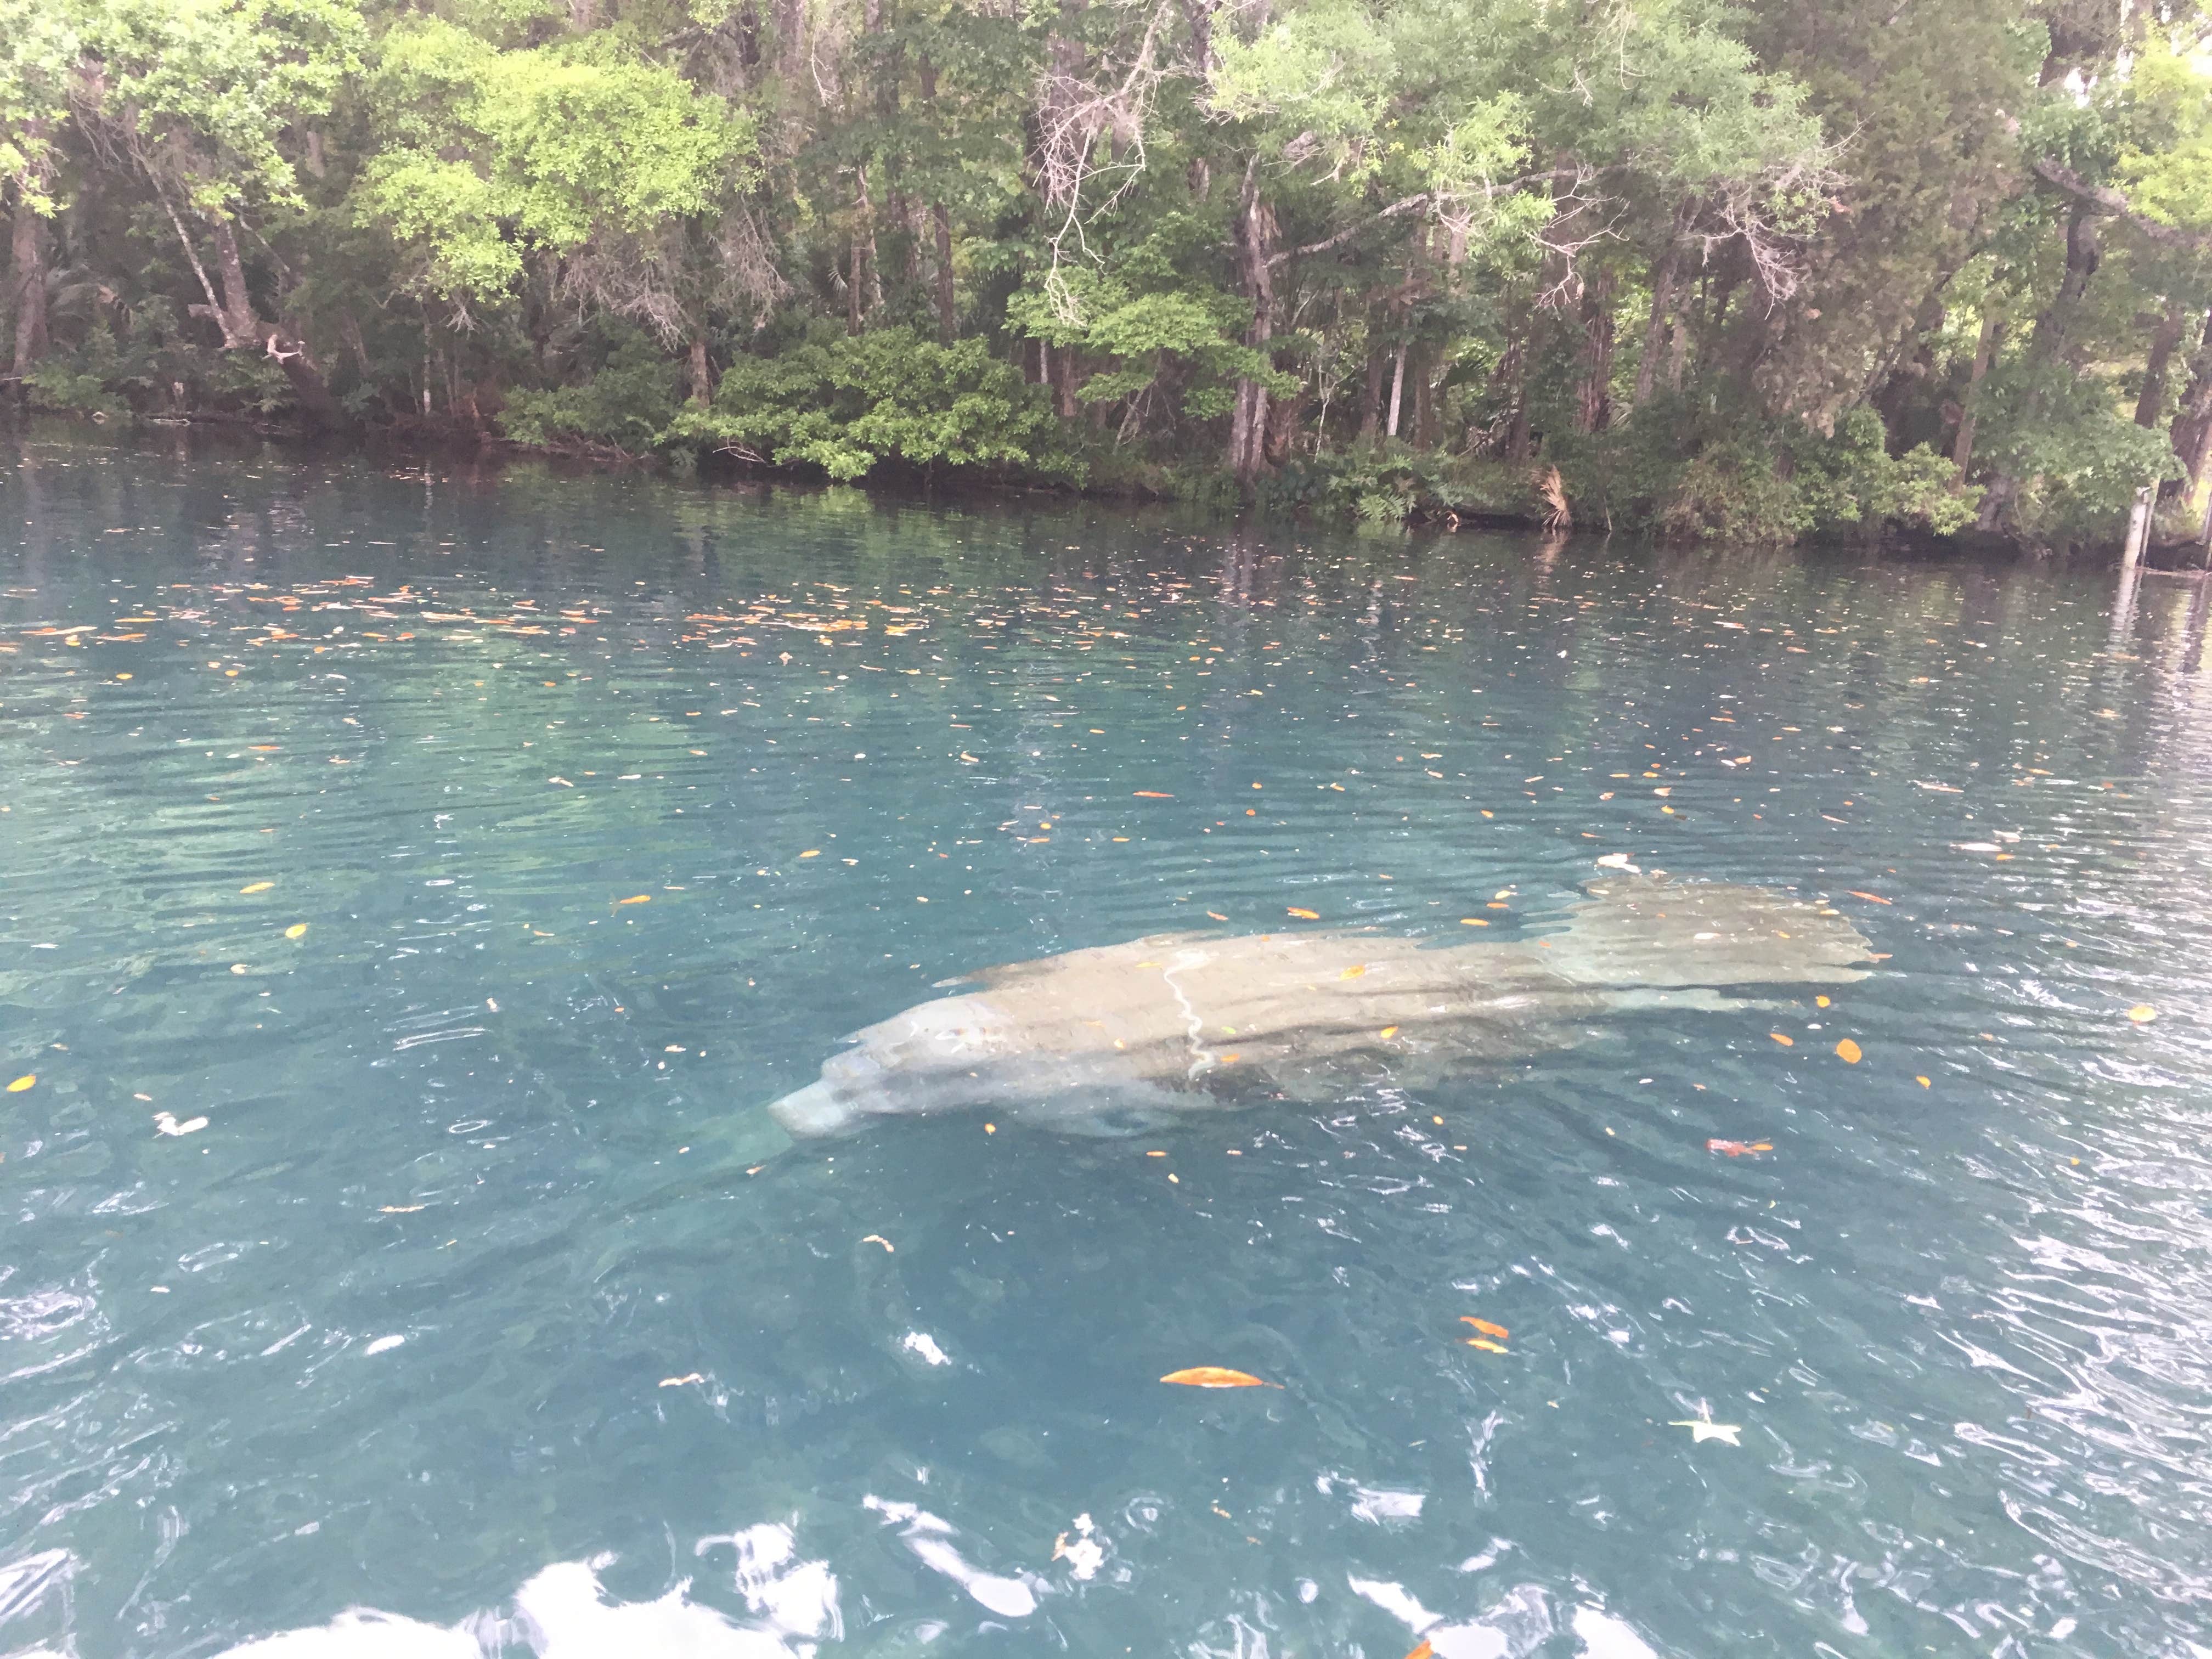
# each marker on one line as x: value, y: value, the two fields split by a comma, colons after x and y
x: 2138, y: 527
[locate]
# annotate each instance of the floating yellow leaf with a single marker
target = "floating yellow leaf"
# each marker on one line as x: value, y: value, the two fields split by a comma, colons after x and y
x: 637, y: 898
x: 1848, y: 1050
x: 811, y: 853
x: 1388, y: 1032
x: 1353, y: 972
x: 1923, y: 1082
x: 2142, y: 1014
x: 1473, y: 922
x: 1305, y: 915
x: 1216, y: 1376
x: 1486, y: 1345
x: 257, y: 887
x: 297, y: 930
x: 23, y: 1083
x: 1485, y: 1326
x: 1786, y: 1041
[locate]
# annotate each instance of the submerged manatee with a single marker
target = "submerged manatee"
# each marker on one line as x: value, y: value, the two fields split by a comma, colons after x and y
x: 1115, y: 1037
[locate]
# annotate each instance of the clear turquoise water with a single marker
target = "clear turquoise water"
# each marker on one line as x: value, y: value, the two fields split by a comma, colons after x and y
x: 482, y: 1106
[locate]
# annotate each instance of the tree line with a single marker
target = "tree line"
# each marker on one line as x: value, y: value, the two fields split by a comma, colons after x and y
x: 1716, y: 268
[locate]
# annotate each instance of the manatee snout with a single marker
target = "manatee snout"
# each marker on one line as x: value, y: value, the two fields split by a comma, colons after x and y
x: 814, y: 1111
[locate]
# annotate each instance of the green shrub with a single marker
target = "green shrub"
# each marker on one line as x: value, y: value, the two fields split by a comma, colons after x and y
x: 1704, y: 475
x: 846, y: 403
x: 625, y: 406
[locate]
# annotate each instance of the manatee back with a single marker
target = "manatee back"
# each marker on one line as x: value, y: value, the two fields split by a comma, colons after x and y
x: 1639, y: 930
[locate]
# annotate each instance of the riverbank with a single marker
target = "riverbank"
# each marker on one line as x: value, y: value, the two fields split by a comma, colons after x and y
x: 1378, y: 490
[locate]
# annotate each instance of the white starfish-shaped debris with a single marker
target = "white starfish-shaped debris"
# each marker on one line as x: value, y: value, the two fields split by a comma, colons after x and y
x: 1703, y: 1429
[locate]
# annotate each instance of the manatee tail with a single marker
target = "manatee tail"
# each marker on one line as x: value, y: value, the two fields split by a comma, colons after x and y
x: 1635, y: 931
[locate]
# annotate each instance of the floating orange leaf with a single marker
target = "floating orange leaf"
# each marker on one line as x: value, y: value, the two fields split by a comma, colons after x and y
x: 637, y: 898
x: 1217, y: 1377
x: 1786, y: 1041
x: 1848, y: 1050
x: 1305, y: 915
x: 1424, y: 1652
x: 1871, y: 898
x: 1739, y: 1148
x: 1485, y: 1326
x: 1152, y: 795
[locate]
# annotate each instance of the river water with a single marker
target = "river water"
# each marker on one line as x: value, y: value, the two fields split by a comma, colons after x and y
x: 476, y: 855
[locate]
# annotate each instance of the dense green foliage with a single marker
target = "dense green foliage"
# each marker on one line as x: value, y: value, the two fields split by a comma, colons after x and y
x: 1752, y: 270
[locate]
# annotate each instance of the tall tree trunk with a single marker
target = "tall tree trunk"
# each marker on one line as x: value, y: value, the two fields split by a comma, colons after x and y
x: 702, y: 375
x: 2192, y: 421
x: 1513, y: 375
x: 1425, y: 401
x: 948, y: 320
x: 2054, y: 329
x: 1664, y: 270
x: 2051, y: 342
x: 1197, y: 15
x: 28, y: 282
x: 243, y: 330
x: 240, y: 327
x: 870, y: 299
x: 1371, y: 406
x: 1256, y: 244
x: 1063, y: 383
x: 1594, y: 405
x: 790, y: 20
x: 2150, y: 401
x: 1985, y: 346
x: 1397, y: 388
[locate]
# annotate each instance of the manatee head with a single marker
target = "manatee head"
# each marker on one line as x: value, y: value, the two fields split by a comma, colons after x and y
x: 811, y: 1113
